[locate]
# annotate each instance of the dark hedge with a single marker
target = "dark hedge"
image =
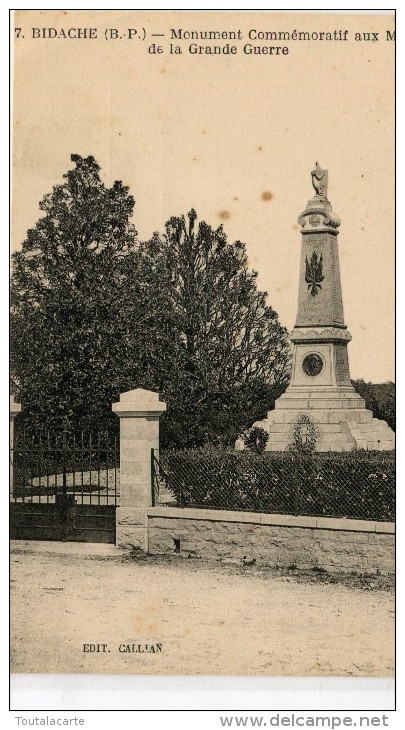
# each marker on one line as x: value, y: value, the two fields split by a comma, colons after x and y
x: 357, y: 484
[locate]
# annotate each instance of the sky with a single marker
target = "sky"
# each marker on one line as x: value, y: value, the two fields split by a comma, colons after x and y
x: 233, y: 136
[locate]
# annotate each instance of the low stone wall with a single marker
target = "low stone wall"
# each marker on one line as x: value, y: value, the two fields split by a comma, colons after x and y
x: 273, y: 540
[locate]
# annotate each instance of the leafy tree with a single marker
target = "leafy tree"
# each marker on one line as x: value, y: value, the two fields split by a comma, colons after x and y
x: 94, y: 314
x: 74, y: 319
x: 379, y: 398
x: 224, y: 356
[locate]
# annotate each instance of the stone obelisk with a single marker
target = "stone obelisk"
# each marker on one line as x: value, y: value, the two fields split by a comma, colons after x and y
x: 320, y: 387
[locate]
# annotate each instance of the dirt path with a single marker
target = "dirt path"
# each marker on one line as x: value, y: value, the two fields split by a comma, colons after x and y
x: 208, y: 619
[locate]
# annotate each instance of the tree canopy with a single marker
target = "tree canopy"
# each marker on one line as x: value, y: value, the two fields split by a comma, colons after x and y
x: 226, y: 355
x: 95, y: 313
x: 70, y: 341
x: 379, y: 398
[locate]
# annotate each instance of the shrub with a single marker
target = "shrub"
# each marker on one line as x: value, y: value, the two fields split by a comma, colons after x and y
x: 379, y: 398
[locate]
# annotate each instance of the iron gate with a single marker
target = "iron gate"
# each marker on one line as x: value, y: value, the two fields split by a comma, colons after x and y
x: 64, y: 487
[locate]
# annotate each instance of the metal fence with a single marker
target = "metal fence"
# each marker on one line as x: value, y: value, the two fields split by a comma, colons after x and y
x: 51, y: 465
x: 357, y: 485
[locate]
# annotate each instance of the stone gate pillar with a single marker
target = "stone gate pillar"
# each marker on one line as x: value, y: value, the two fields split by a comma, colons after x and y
x: 15, y: 408
x: 139, y: 412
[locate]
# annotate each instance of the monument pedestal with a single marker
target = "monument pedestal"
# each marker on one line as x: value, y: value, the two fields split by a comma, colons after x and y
x: 321, y: 388
x: 341, y: 419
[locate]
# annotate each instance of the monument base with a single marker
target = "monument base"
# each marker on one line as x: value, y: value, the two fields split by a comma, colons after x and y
x: 341, y: 419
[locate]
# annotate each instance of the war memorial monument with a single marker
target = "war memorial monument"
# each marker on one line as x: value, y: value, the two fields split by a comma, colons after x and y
x: 320, y: 391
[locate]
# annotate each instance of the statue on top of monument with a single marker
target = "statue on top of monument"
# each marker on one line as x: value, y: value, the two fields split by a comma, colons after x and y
x: 320, y: 181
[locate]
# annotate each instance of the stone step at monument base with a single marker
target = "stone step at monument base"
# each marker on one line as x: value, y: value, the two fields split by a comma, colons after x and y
x: 338, y: 429
x: 321, y: 399
x: 373, y: 435
x: 289, y: 415
x: 374, y: 425
x: 323, y: 446
x: 287, y: 428
x: 336, y: 441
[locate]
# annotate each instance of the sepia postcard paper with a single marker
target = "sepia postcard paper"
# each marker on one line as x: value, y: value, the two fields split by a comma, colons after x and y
x: 274, y: 129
